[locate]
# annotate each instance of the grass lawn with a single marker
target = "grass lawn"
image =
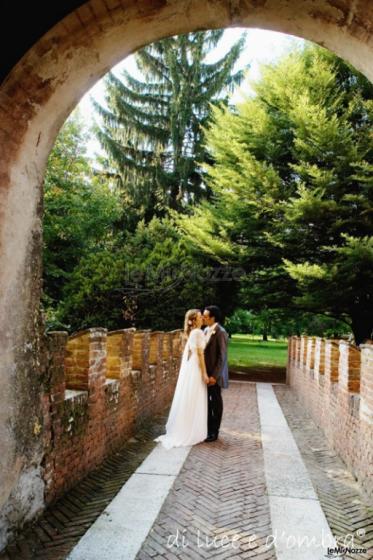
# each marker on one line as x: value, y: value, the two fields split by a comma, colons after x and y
x: 249, y: 350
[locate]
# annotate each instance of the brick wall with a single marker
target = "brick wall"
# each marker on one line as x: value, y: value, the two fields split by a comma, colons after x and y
x: 334, y: 381
x: 100, y: 386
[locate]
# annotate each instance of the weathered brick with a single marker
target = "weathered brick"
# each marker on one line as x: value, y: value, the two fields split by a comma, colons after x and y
x: 109, y: 401
x: 339, y: 396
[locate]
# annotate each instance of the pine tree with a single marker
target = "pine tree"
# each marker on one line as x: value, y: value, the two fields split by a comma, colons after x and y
x: 292, y: 182
x: 152, y: 128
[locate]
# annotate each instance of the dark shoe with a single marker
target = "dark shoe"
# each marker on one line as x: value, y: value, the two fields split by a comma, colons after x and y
x: 212, y: 437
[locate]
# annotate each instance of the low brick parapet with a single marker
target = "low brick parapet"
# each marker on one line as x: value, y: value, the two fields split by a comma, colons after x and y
x: 334, y: 381
x: 100, y: 386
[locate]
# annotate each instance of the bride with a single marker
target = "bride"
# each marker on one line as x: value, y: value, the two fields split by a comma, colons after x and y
x: 187, y: 420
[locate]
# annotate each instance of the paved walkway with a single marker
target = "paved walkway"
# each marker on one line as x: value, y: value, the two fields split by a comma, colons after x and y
x: 220, y: 491
x: 268, y: 488
x: 247, y: 495
x: 348, y: 513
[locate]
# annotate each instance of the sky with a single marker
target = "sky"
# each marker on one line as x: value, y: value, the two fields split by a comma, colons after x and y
x: 261, y: 47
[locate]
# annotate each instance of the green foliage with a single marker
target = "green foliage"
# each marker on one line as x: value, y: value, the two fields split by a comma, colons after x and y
x: 280, y: 323
x: 148, y: 280
x: 79, y: 213
x: 107, y: 262
x: 292, y: 190
x: 152, y: 128
x: 285, y: 192
x: 239, y: 322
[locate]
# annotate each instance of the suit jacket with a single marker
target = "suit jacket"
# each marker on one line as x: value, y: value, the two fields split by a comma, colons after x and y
x: 225, y: 371
x: 215, y: 351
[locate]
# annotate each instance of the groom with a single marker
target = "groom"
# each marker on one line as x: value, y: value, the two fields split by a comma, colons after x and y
x: 215, y: 351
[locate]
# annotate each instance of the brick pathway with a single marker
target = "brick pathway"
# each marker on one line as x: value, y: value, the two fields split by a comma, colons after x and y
x: 236, y: 504
x: 65, y: 522
x: 220, y: 492
x: 346, y: 510
x: 218, y: 506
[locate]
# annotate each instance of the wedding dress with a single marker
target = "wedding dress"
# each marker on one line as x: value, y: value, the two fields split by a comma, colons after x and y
x: 187, y: 420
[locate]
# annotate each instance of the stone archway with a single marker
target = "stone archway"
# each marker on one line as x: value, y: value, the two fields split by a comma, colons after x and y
x: 35, y: 99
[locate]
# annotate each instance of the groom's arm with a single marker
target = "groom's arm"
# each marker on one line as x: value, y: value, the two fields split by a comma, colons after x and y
x: 222, y: 348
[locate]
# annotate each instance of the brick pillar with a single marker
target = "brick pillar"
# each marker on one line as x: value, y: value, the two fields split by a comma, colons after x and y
x: 155, y: 368
x: 331, y: 374
x: 167, y: 347
x: 322, y: 357
x: 349, y: 376
x: 312, y: 354
x: 322, y: 362
x: 291, y: 348
x: 294, y: 348
x: 317, y: 355
x: 354, y: 367
x: 297, y: 350
x: 140, y: 374
x: 290, y: 360
x: 95, y: 444
x: 53, y: 400
x: 366, y: 386
x: 303, y: 351
x: 349, y: 367
x: 97, y: 344
x: 310, y: 360
x: 366, y: 417
x: 163, y: 397
x: 176, y: 345
x: 319, y: 359
x: 167, y: 356
x: 127, y: 393
x: 128, y: 341
x: 343, y: 365
x: 56, y: 384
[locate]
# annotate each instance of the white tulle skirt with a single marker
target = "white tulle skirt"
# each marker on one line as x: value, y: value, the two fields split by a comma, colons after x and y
x: 187, y: 419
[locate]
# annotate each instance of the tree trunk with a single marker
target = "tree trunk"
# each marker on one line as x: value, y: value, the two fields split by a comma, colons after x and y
x: 265, y: 336
x: 362, y: 327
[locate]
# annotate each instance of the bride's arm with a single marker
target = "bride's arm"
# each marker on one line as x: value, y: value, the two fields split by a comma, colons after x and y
x: 197, y: 342
x: 202, y: 365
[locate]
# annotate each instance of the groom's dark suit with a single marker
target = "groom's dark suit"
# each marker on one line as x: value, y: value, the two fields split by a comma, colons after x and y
x: 214, y: 352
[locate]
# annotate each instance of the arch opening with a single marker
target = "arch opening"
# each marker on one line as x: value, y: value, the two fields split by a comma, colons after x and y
x: 35, y: 99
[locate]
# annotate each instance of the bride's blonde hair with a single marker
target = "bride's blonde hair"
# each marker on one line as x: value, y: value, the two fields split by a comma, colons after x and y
x: 190, y: 321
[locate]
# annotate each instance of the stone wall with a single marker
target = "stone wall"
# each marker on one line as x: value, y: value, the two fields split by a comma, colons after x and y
x: 101, y: 385
x: 334, y: 381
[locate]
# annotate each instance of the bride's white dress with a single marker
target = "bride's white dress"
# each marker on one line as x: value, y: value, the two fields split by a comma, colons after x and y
x: 187, y: 419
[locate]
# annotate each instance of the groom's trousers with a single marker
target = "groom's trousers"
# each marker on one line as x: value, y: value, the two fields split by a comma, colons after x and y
x: 215, y: 409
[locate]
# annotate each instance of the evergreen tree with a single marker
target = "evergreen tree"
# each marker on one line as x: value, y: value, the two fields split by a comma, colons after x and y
x: 152, y: 128
x: 79, y: 213
x: 292, y: 183
x: 148, y: 280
